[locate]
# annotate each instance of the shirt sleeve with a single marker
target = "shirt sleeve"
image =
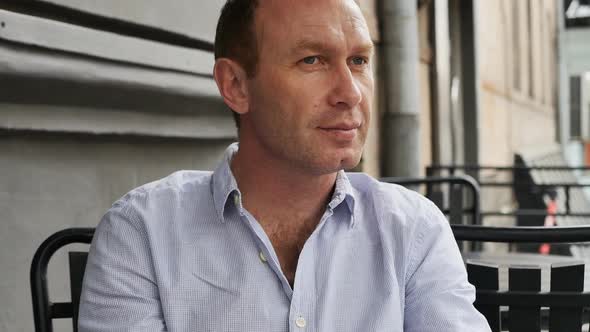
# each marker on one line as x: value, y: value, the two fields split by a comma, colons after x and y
x: 438, y: 295
x: 119, y: 292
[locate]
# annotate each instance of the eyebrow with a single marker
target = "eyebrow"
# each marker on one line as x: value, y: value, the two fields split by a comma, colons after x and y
x: 309, y: 45
x: 365, y: 48
x: 318, y: 46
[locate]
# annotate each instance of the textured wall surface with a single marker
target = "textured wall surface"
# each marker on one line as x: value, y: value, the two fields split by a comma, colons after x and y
x: 188, y: 17
x: 48, y: 183
x: 518, y: 74
x: 85, y: 116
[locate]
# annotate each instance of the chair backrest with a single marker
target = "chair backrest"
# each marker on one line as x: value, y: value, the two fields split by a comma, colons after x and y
x: 558, y: 310
x: 448, y: 193
x: 44, y: 310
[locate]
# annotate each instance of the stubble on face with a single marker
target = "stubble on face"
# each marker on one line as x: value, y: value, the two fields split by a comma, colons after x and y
x: 291, y: 102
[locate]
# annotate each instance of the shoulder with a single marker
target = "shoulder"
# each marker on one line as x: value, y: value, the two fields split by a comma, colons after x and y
x: 153, y: 201
x: 396, y: 209
x: 178, y: 181
x: 171, y: 186
x: 391, y: 198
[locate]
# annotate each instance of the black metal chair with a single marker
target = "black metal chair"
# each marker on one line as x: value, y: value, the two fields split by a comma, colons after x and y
x: 449, y: 194
x: 44, y: 310
x: 561, y: 309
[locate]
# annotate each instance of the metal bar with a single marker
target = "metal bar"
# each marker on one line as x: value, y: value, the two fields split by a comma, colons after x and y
x: 567, y: 199
x: 540, y: 185
x: 456, y: 204
x: 541, y: 299
x: 533, y: 213
x: 464, y: 211
x: 559, y: 234
x: 508, y: 168
x: 429, y: 190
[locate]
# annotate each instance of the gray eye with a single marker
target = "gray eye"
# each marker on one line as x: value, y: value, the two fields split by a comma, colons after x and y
x: 310, y: 60
x: 358, y: 61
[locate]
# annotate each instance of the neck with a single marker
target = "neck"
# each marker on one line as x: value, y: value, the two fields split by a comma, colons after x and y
x: 270, y: 187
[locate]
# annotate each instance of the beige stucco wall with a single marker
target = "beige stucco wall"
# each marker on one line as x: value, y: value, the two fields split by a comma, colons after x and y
x: 52, y: 182
x: 517, y: 113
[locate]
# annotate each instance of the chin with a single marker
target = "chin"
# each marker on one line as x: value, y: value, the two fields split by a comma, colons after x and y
x: 333, y: 161
x: 349, y: 165
x: 349, y: 162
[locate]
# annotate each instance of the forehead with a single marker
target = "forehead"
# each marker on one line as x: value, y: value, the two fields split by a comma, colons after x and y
x: 285, y: 23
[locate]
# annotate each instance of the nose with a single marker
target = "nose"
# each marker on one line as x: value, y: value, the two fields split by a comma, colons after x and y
x: 345, y: 93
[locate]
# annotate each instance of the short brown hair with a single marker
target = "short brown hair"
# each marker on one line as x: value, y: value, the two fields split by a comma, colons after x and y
x: 235, y: 37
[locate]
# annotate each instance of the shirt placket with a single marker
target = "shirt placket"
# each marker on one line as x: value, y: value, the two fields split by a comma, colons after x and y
x: 302, y: 315
x: 266, y: 252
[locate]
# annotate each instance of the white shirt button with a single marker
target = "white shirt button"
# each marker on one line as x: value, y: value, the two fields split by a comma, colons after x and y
x: 300, y: 322
x: 262, y: 257
x: 237, y: 200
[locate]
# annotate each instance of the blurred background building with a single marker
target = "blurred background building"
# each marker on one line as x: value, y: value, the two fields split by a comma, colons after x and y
x: 99, y: 97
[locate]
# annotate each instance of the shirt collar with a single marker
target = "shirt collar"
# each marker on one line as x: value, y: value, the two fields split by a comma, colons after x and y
x: 224, y: 187
x: 343, y: 192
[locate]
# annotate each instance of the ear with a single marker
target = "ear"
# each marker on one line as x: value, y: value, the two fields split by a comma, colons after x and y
x: 231, y: 82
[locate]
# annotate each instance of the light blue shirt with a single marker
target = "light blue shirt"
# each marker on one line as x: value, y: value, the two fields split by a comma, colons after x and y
x: 182, y: 254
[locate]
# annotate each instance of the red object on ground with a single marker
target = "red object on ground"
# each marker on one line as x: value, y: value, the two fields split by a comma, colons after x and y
x: 550, y: 221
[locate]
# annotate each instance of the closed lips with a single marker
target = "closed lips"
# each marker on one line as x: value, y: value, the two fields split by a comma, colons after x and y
x: 343, y: 127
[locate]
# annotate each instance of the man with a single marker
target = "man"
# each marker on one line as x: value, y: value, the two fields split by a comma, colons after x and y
x: 279, y: 238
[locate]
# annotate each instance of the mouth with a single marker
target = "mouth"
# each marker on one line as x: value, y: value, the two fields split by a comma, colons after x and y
x: 341, y: 131
x: 344, y: 126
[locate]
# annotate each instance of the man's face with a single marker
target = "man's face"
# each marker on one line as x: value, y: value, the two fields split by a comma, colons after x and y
x: 310, y: 100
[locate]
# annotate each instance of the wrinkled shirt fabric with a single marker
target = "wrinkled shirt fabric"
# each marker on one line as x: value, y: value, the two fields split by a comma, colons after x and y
x: 182, y: 254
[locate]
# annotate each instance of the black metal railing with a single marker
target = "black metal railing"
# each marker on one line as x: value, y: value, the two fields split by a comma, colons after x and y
x: 452, y: 200
x: 519, y: 185
x: 529, y: 194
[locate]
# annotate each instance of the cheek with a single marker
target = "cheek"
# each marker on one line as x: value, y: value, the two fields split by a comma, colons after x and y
x: 367, y: 102
x: 291, y: 98
x: 368, y: 87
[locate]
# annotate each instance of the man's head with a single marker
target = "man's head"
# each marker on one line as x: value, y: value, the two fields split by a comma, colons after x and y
x: 303, y: 89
